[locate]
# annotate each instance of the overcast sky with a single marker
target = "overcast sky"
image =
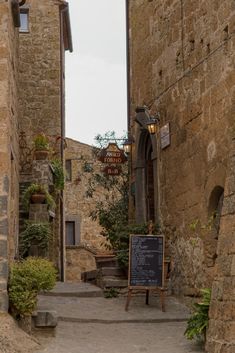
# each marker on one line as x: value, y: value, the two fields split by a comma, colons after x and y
x: 96, y: 70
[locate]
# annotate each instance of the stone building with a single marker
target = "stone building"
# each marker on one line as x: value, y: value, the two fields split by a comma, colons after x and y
x: 182, y: 70
x: 83, y: 235
x: 33, y: 38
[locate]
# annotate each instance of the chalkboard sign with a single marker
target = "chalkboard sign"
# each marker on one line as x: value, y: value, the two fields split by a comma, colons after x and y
x: 146, y: 264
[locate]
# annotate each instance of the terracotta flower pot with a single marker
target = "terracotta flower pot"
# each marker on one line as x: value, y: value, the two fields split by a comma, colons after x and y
x: 41, y: 154
x: 38, y: 198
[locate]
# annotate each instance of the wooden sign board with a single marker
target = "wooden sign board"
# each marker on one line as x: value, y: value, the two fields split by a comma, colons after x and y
x: 112, y: 170
x: 112, y: 154
x: 146, y: 264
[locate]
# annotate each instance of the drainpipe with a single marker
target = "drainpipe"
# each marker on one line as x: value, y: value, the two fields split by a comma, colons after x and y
x: 65, y: 44
x: 128, y: 66
x: 62, y: 134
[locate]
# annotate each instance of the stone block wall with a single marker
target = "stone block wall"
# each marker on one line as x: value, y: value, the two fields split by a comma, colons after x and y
x: 221, y: 332
x: 40, y: 71
x: 182, y: 66
x: 8, y: 147
x: 79, y: 259
x: 78, y: 207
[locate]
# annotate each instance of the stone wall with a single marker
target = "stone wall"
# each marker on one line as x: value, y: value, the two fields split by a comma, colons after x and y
x: 8, y: 147
x: 79, y: 259
x: 182, y: 66
x: 78, y: 207
x: 41, y: 103
x: 40, y: 75
x: 220, y: 336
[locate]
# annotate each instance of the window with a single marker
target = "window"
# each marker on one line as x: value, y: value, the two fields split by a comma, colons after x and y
x: 70, y: 233
x: 24, y: 20
x: 68, y: 167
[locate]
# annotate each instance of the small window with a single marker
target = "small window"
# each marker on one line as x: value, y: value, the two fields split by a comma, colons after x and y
x: 70, y: 233
x: 68, y: 167
x: 24, y: 20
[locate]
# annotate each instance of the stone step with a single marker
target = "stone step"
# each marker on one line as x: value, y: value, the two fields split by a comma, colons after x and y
x: 111, y: 271
x: 106, y: 262
x: 113, y: 282
x: 80, y: 290
x: 89, y: 276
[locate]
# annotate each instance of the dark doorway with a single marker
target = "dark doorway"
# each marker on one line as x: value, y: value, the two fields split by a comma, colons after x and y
x: 146, y: 194
x: 150, y: 204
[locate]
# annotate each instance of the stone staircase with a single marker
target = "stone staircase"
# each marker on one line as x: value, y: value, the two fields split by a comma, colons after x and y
x: 107, y: 275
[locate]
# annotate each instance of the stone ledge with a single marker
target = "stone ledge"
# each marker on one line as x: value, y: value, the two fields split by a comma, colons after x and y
x: 45, y: 319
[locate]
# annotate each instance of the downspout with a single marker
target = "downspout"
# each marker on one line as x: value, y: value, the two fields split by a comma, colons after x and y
x: 128, y: 66
x: 64, y: 45
x: 62, y: 134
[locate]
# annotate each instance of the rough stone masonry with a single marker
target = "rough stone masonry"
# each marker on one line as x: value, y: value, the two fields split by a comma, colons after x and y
x: 182, y: 67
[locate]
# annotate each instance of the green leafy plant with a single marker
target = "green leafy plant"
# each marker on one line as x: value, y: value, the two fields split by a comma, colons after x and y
x: 111, y: 293
x: 41, y: 142
x: 37, y: 189
x: 27, y: 279
x: 58, y: 171
x: 39, y: 233
x: 88, y: 167
x: 198, y: 322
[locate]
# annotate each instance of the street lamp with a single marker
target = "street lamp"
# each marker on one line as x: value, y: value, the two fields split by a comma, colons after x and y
x: 127, y: 146
x: 152, y: 124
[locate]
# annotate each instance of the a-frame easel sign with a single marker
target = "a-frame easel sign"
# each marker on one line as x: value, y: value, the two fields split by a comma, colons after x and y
x: 146, y: 266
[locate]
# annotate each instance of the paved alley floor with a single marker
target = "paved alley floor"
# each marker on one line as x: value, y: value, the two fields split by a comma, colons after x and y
x: 119, y: 338
x: 98, y: 325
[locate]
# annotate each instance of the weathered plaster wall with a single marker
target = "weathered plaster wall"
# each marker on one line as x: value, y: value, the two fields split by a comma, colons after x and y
x: 182, y: 65
x: 8, y: 147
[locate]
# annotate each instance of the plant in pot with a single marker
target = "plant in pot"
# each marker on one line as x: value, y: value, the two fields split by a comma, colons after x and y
x: 41, y: 146
x: 36, y: 193
x: 34, y: 240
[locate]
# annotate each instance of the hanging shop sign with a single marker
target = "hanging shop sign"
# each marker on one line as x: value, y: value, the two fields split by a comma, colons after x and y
x: 112, y: 170
x: 112, y: 154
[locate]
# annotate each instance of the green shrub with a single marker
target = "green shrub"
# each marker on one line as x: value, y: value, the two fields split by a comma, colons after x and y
x: 111, y: 293
x: 198, y: 322
x: 41, y: 142
x: 27, y: 279
x: 35, y: 232
x: 58, y: 172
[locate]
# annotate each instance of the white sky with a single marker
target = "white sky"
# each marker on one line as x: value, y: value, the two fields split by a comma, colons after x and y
x: 96, y: 70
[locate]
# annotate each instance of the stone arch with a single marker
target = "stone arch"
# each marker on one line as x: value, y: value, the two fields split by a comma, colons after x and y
x: 215, y: 207
x: 146, y: 191
x: 215, y: 204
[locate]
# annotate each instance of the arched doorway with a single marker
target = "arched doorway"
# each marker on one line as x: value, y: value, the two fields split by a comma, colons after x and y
x: 146, y: 181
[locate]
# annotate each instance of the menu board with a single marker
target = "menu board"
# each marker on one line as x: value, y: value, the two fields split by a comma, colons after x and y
x: 146, y: 261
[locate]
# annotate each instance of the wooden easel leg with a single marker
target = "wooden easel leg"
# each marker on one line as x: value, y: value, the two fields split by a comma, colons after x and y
x: 128, y: 299
x: 147, y: 297
x: 162, y: 299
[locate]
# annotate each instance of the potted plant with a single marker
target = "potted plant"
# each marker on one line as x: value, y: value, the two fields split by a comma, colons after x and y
x: 41, y: 147
x: 35, y: 239
x: 36, y: 193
